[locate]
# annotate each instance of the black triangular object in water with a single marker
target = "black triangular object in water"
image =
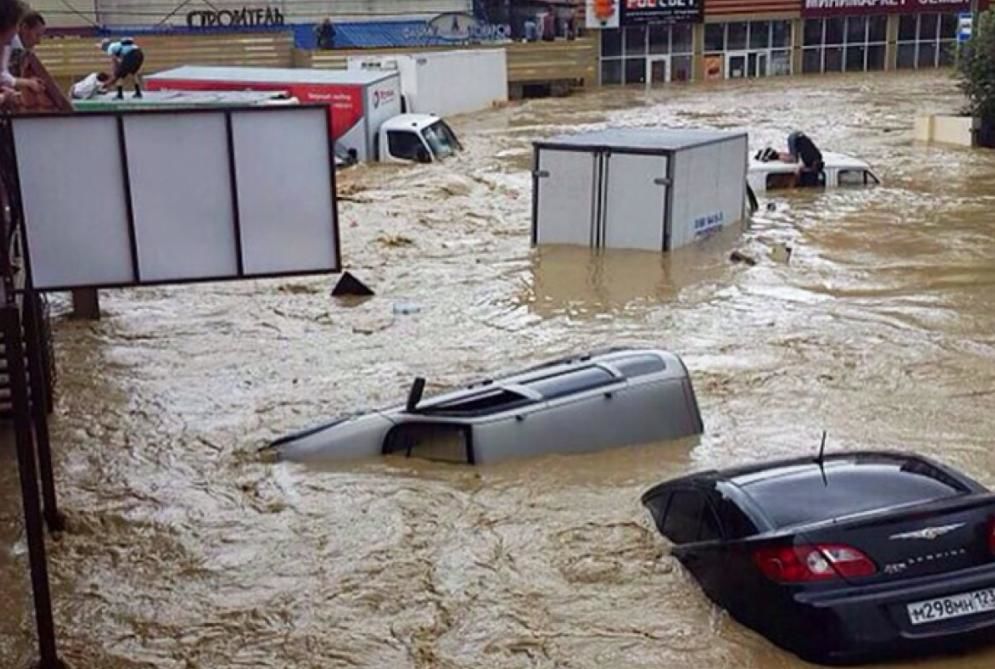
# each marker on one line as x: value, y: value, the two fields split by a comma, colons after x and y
x: 350, y: 285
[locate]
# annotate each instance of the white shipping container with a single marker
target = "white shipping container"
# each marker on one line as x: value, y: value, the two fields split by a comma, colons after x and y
x: 637, y: 188
x: 445, y: 82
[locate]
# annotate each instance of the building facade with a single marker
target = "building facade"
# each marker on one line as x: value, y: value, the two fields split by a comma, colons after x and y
x: 646, y: 42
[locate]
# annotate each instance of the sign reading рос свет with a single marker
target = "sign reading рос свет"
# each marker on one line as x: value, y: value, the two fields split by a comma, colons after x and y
x: 660, y: 11
x: 819, y: 8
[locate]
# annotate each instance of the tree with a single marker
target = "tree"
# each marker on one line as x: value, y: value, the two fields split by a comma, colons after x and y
x: 976, y: 69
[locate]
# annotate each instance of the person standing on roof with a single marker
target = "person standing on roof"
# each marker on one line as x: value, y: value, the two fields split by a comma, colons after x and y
x: 801, y: 149
x: 127, y: 59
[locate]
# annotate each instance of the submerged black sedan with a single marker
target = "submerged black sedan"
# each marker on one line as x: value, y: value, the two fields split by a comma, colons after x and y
x: 854, y: 557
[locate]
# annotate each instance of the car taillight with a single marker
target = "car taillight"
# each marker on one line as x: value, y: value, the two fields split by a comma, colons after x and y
x: 807, y: 563
x: 991, y: 536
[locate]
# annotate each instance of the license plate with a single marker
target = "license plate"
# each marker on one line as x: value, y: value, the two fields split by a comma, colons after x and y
x: 954, y: 606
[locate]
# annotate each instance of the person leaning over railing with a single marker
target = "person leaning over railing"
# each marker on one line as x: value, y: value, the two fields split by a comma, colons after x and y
x: 24, y: 63
x: 11, y: 12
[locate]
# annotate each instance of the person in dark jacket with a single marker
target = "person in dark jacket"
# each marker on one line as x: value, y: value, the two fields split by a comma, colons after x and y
x: 801, y: 149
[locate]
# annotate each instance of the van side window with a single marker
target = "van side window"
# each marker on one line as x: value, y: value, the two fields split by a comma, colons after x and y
x: 780, y: 180
x: 639, y: 365
x: 568, y: 383
x: 432, y: 441
x: 403, y: 144
x: 852, y: 178
x: 684, y: 515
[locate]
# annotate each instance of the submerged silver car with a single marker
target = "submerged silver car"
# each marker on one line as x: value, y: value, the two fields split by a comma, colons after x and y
x: 573, y: 405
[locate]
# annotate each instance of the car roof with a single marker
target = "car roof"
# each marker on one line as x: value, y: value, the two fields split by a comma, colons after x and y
x: 671, y: 367
x: 830, y: 160
x: 771, y: 487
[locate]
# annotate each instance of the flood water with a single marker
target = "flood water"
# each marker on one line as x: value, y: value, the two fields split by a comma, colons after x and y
x: 185, y: 550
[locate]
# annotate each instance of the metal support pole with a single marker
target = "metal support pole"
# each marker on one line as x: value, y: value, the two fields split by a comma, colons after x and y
x: 39, y: 408
x: 11, y: 319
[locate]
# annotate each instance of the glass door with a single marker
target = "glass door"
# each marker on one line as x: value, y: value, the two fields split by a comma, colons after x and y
x: 735, y: 65
x: 657, y: 71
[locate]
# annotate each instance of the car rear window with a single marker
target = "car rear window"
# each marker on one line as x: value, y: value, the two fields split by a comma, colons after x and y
x: 797, y: 494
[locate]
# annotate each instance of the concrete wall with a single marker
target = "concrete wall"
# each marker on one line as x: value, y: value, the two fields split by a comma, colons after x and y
x: 944, y: 129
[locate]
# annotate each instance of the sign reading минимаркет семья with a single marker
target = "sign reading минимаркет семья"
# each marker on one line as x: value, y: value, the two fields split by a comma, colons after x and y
x: 817, y: 8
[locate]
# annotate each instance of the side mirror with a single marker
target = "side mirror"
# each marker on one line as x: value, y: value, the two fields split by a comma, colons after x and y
x: 423, y: 155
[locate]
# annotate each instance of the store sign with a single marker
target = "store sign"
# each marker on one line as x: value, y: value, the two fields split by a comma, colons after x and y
x: 964, y: 22
x: 661, y: 11
x: 602, y: 14
x: 817, y: 8
x: 244, y: 17
x: 459, y: 27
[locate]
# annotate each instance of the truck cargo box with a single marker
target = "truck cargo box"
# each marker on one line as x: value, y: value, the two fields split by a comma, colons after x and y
x: 637, y: 188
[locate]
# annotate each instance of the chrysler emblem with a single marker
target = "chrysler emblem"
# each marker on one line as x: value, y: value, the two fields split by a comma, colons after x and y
x: 928, y: 532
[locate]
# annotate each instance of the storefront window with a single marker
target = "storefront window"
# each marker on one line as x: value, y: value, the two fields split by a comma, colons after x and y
x: 759, y: 35
x: 611, y: 43
x: 812, y: 61
x: 926, y: 40
x: 907, y: 27
x: 844, y: 44
x: 625, y: 54
x: 681, y: 37
x: 736, y: 37
x: 660, y: 39
x: 877, y: 29
x: 781, y: 34
x: 875, y: 57
x: 715, y: 37
x: 856, y: 30
x: 813, y: 32
x: 906, y: 56
x: 855, y: 58
x: 611, y: 72
x: 680, y: 68
x: 780, y: 63
x: 635, y: 70
x: 834, y: 30
x: 635, y: 41
x: 748, y: 48
x: 834, y: 59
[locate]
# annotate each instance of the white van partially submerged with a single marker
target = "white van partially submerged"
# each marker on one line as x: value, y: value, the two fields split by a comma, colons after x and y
x: 839, y: 170
x: 573, y: 405
x: 364, y: 106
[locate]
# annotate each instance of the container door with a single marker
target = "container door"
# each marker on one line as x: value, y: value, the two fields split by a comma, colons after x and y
x: 565, y: 194
x: 636, y: 199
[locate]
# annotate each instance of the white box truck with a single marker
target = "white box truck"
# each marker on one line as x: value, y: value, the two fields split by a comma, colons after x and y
x: 364, y: 107
x: 637, y: 188
x: 444, y: 82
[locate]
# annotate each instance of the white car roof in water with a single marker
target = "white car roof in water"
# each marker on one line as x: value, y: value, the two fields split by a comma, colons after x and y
x: 832, y: 161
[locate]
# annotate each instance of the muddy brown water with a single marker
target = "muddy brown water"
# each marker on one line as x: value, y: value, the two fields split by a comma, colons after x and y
x: 185, y: 550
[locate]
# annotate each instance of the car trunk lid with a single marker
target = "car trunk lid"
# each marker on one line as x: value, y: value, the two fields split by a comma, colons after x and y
x: 916, y: 540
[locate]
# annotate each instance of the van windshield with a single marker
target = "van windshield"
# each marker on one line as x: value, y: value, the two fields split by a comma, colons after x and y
x: 441, y: 139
